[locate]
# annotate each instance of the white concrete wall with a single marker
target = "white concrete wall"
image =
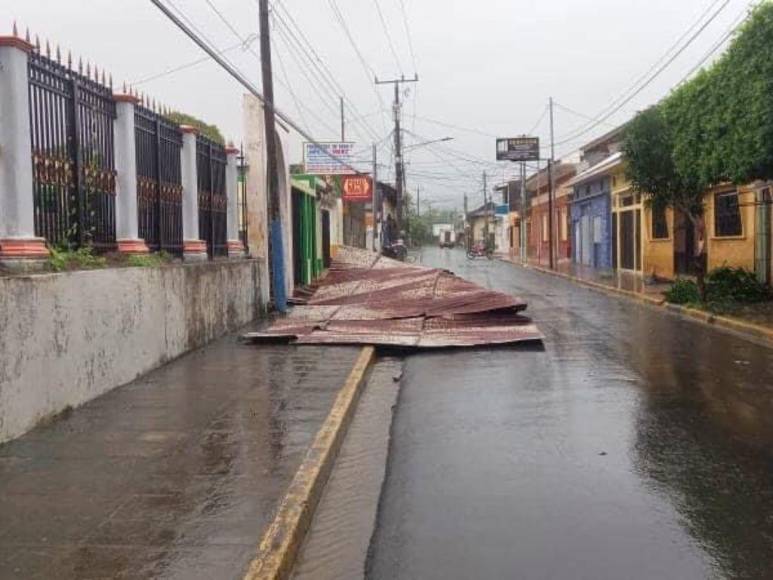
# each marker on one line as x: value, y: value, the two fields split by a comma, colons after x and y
x: 257, y: 192
x: 67, y: 338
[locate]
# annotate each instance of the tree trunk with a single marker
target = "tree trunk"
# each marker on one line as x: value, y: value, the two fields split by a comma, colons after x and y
x: 698, y: 252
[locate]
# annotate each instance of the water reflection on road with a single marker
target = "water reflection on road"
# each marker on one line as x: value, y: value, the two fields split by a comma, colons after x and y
x: 637, y: 445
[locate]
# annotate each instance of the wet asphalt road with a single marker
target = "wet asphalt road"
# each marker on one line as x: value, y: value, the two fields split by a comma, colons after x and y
x: 636, y: 445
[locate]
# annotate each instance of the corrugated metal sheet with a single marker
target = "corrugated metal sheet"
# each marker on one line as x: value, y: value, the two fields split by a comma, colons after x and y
x: 367, y: 299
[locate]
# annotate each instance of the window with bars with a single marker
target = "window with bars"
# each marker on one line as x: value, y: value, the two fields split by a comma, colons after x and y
x: 659, y: 223
x: 727, y: 214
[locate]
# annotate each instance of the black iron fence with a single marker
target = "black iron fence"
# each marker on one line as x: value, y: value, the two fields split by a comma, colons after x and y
x: 159, y: 181
x: 213, y: 202
x: 71, y: 122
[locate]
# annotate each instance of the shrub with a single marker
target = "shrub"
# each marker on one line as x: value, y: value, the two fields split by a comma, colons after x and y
x: 64, y: 258
x: 148, y: 260
x: 735, y: 285
x: 683, y: 292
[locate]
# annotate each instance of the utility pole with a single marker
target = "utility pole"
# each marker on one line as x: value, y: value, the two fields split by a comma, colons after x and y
x: 467, y: 241
x: 551, y: 161
x: 376, y: 204
x: 485, y: 211
x: 524, y: 256
x: 276, y: 246
x: 418, y: 200
x: 343, y: 122
x: 399, y: 176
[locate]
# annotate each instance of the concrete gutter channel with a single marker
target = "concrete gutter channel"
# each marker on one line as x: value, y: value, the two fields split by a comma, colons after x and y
x: 753, y: 332
x: 282, y: 541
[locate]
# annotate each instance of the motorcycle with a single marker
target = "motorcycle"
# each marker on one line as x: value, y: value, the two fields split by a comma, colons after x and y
x: 396, y: 250
x: 480, y: 250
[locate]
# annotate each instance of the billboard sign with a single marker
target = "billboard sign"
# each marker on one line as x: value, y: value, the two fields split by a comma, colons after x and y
x: 327, y: 158
x: 518, y: 149
x: 357, y: 188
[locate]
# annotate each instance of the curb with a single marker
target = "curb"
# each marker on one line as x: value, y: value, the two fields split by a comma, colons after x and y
x: 282, y: 540
x: 748, y: 330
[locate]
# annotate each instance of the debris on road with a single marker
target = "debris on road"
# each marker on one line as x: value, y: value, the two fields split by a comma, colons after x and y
x: 370, y: 299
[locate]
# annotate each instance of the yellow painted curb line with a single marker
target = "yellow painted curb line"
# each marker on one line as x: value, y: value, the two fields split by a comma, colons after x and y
x: 749, y: 329
x: 280, y: 544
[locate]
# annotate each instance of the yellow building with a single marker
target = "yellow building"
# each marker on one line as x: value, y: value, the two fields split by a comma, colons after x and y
x: 737, y: 223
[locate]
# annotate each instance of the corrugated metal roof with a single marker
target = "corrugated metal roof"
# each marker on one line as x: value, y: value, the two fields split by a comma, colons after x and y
x: 367, y: 299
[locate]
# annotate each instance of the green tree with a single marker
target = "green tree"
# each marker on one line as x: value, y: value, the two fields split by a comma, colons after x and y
x: 210, y: 131
x: 650, y: 156
x: 716, y: 128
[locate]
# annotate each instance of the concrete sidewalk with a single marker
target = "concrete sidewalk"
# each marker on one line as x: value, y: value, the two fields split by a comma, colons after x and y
x: 175, y: 475
x: 755, y: 319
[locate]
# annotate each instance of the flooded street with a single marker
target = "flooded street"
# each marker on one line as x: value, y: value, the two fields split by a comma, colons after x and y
x: 634, y: 445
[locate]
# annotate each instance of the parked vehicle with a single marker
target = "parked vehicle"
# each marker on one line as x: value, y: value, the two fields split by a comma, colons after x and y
x: 480, y: 250
x: 446, y: 239
x: 396, y: 250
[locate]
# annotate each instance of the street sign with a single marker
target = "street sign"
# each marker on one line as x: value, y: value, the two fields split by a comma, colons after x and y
x: 518, y: 149
x: 357, y: 188
x: 327, y: 158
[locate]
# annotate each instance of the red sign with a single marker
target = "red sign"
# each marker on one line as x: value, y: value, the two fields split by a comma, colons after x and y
x: 357, y: 188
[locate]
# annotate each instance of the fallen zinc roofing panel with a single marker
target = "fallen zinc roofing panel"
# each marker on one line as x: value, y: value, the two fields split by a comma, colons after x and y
x: 369, y: 299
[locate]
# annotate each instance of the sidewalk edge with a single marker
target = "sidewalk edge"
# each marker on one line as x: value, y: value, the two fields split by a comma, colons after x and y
x: 747, y: 329
x: 282, y: 540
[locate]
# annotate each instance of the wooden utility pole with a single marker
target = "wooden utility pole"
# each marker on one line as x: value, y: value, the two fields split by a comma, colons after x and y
x: 377, y: 210
x: 485, y: 211
x: 276, y: 246
x: 399, y: 173
x: 551, y: 161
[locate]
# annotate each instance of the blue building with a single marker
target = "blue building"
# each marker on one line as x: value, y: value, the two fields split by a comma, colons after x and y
x: 591, y: 206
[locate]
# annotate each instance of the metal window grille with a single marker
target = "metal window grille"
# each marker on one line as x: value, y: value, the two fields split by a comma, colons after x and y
x: 159, y: 181
x: 213, y: 203
x: 727, y: 214
x: 71, y: 124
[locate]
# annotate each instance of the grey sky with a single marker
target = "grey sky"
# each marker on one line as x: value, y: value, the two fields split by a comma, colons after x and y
x: 489, y: 66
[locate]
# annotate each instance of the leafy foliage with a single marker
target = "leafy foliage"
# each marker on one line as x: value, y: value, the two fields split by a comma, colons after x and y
x: 148, y: 260
x: 725, y: 287
x: 715, y: 128
x: 735, y: 285
x: 210, y: 131
x: 63, y: 258
x: 683, y: 291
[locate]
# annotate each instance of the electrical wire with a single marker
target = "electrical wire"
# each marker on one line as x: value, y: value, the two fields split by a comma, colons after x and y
x: 615, y: 107
x: 370, y: 73
x: 385, y: 28
x: 234, y: 72
x: 408, y: 34
x: 295, y: 34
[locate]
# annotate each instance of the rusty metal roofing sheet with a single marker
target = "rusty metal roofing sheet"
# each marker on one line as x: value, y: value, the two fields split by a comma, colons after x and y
x: 367, y: 299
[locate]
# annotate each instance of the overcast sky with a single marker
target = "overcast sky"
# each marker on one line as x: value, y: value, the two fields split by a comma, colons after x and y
x: 486, y: 67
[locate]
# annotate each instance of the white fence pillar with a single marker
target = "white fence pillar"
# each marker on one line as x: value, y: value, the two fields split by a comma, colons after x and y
x: 194, y: 249
x: 19, y: 248
x: 235, y: 245
x: 126, y: 214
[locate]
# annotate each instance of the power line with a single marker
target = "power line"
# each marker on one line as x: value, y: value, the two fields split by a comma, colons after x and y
x: 388, y: 36
x: 616, y: 107
x: 734, y: 26
x: 308, y: 50
x: 369, y: 72
x: 408, y: 33
x: 190, y: 64
x: 205, y: 45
